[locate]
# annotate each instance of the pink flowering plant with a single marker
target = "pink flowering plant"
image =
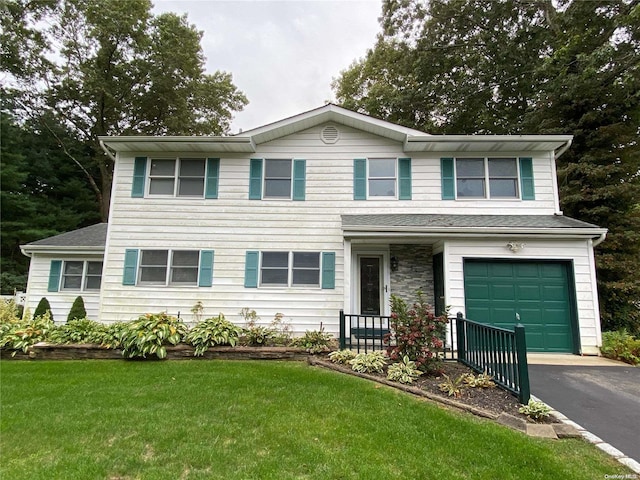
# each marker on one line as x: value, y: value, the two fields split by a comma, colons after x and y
x: 416, y: 333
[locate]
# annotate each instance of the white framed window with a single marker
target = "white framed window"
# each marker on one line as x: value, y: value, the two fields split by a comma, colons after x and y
x: 487, y: 178
x: 382, y: 177
x: 277, y: 178
x: 178, y: 177
x: 168, y: 267
x: 290, y: 269
x: 81, y: 275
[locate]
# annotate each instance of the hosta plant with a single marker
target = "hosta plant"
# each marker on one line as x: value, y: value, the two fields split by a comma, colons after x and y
x: 405, y: 371
x: 452, y: 388
x: 211, y: 332
x: 372, y: 362
x: 482, y: 380
x: 342, y: 357
x: 535, y: 410
x: 80, y: 330
x: 314, y: 341
x: 21, y: 335
x: 150, y: 334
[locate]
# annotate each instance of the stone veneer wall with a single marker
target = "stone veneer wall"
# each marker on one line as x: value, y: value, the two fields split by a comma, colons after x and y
x: 415, y: 272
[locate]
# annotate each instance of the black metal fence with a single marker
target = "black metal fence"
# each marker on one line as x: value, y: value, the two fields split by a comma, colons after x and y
x: 499, y: 352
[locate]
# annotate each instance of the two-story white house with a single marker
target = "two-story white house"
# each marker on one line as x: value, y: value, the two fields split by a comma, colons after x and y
x: 332, y: 210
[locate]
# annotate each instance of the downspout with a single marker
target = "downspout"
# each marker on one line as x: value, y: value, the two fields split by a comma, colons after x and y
x: 563, y: 149
x: 599, y: 240
x: 107, y: 151
x: 556, y: 155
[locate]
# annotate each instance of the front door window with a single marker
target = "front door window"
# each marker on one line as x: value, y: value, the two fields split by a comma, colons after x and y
x: 370, y: 285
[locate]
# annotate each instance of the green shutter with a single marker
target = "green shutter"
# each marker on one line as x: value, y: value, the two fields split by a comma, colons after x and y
x: 54, y: 276
x: 213, y: 176
x: 251, y: 270
x: 130, y: 267
x: 205, y: 275
x: 299, y: 179
x: 360, y: 179
x: 328, y: 270
x: 448, y: 179
x: 255, y: 179
x: 404, y: 178
x: 139, y: 174
x: 527, y: 190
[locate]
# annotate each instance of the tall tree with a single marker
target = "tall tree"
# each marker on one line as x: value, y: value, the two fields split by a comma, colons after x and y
x: 485, y: 66
x: 111, y: 67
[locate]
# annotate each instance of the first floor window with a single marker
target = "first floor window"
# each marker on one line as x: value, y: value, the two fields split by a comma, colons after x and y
x: 290, y: 269
x: 173, y: 267
x: 487, y: 178
x: 81, y: 275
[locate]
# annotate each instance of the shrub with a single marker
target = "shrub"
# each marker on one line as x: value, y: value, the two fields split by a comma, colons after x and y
x: 77, y: 310
x: 372, y: 362
x: 277, y: 333
x: 9, y: 312
x: 417, y: 332
x: 211, y: 332
x: 21, y: 335
x: 342, y: 357
x: 535, y: 410
x: 79, y: 330
x: 405, y: 371
x: 111, y: 336
x: 42, y: 308
x: 150, y: 334
x: 314, y: 341
x: 621, y: 346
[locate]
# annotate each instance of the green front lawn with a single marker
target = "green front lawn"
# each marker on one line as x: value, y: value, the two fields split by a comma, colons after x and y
x: 196, y: 419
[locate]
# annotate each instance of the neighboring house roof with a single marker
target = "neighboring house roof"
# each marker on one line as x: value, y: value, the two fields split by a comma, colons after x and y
x: 87, y: 239
x: 353, y: 225
x: 412, y: 140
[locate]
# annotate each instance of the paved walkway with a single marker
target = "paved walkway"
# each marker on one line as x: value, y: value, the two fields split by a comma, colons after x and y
x: 601, y: 395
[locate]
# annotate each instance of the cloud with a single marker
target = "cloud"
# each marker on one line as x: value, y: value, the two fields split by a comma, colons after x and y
x: 282, y: 55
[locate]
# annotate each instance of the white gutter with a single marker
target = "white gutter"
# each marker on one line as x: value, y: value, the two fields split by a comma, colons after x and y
x: 106, y: 150
x: 600, y: 239
x: 29, y: 250
x: 580, y: 232
x: 564, y: 148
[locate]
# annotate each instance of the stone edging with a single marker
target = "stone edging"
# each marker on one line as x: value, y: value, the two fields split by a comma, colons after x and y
x: 557, y: 430
x: 595, y: 440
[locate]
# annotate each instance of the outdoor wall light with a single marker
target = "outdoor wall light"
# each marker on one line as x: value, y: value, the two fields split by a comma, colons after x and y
x: 394, y: 263
x: 515, y: 247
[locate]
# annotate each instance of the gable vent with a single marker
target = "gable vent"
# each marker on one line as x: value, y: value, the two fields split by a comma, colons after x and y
x: 330, y: 134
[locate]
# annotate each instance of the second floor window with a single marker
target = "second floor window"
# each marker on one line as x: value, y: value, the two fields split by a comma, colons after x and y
x: 487, y: 178
x: 382, y: 177
x: 277, y: 179
x: 182, y: 177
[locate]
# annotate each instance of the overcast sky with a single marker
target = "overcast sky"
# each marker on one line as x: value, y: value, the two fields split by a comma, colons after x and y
x: 282, y: 54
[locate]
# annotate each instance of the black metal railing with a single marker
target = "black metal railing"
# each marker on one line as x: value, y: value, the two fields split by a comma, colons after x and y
x: 499, y: 352
x: 363, y: 332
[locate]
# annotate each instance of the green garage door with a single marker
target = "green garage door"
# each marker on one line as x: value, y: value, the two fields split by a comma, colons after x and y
x: 539, y: 293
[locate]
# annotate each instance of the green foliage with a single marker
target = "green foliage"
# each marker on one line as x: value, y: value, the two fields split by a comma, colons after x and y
x: 277, y: 333
x: 79, y: 330
x: 150, y: 334
x: 405, y: 371
x: 452, y: 388
x: 620, y: 345
x: 42, y: 308
x: 314, y: 341
x: 482, y: 380
x: 417, y: 332
x: 535, y: 410
x: 112, y: 335
x: 372, y: 362
x: 9, y: 312
x: 211, y: 332
x: 342, y: 357
x: 77, y: 310
x: 21, y: 335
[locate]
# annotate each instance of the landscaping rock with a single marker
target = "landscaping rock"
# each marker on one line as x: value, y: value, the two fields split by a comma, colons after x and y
x: 542, y: 430
x: 566, y: 431
x: 513, y: 422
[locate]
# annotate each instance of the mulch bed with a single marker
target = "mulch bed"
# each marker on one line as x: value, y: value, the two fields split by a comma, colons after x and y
x: 485, y: 402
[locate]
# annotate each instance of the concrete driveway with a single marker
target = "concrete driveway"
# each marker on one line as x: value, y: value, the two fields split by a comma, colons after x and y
x: 601, y: 395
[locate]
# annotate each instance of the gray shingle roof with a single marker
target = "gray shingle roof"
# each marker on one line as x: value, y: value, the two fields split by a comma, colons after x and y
x: 464, y: 221
x: 93, y: 236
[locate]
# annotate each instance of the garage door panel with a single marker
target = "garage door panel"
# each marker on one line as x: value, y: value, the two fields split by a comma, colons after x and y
x: 495, y: 291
